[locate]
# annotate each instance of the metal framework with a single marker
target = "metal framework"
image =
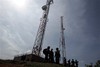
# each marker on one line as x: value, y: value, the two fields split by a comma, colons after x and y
x: 41, y: 30
x: 63, y: 41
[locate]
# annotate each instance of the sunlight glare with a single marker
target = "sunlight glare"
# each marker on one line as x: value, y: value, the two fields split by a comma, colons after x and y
x: 20, y: 4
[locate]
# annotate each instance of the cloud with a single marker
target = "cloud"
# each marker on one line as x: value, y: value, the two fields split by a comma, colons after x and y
x: 17, y: 29
x: 81, y: 21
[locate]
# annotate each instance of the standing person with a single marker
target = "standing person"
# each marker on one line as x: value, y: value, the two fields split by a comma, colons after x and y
x: 76, y: 63
x: 51, y: 56
x: 65, y: 63
x: 73, y: 63
x: 57, y: 55
x: 46, y: 53
x: 69, y: 65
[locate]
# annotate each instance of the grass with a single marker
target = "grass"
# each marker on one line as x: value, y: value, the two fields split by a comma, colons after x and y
x: 10, y: 63
x: 36, y: 64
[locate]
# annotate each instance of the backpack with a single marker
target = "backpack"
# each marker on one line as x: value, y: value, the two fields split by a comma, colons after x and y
x: 44, y: 51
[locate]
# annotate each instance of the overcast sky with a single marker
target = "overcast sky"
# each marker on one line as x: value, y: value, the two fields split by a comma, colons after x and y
x: 19, y: 21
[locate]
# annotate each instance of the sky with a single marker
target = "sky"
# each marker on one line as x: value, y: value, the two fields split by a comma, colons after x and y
x: 19, y: 22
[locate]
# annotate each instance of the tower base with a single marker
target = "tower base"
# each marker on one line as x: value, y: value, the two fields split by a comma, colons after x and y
x: 29, y: 57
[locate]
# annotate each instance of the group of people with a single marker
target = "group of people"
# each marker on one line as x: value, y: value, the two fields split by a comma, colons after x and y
x: 49, y: 55
x: 72, y: 63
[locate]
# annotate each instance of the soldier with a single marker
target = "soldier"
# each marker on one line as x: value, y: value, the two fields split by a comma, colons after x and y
x: 69, y: 63
x: 51, y: 56
x: 57, y: 55
x: 76, y: 63
x: 46, y: 53
x: 64, y: 60
x: 72, y: 63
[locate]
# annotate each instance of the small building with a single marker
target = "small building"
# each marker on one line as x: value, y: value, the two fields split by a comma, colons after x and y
x: 29, y: 57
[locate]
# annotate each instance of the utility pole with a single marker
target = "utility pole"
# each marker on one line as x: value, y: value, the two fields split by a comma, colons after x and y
x: 63, y: 42
x: 41, y: 30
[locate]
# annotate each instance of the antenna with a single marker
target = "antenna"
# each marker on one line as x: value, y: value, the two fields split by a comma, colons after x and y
x: 63, y: 42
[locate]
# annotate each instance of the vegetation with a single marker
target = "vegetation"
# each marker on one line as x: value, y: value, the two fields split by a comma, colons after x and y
x: 35, y: 64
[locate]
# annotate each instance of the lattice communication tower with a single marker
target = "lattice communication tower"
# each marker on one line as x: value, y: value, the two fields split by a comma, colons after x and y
x: 41, y: 30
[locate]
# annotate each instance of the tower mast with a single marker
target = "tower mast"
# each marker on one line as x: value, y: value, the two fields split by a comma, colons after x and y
x: 41, y: 30
x: 63, y: 42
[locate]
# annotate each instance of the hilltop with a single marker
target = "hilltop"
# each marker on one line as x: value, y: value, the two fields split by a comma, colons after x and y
x: 11, y: 63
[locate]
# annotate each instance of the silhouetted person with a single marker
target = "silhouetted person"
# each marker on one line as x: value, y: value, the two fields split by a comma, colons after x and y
x: 72, y: 63
x: 51, y: 56
x: 57, y: 55
x: 46, y: 53
x: 76, y: 63
x: 69, y: 64
x: 64, y: 60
